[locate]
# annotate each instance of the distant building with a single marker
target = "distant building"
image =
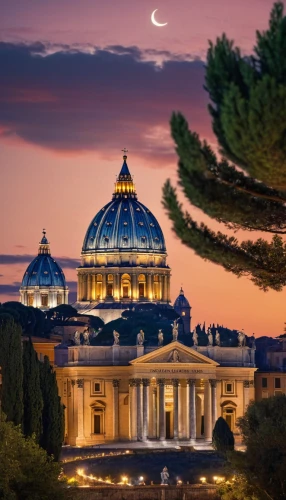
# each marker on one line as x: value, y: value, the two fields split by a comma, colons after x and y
x: 44, y: 283
x: 271, y: 381
x: 183, y: 308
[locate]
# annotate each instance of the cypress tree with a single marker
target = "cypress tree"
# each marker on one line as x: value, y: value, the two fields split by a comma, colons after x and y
x: 53, y: 414
x: 248, y: 106
x: 223, y: 439
x: 12, y: 369
x: 32, y: 394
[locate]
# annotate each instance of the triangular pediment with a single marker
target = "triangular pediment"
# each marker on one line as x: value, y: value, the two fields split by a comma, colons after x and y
x: 174, y: 353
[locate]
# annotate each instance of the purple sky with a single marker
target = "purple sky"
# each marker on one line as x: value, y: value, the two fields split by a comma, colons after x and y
x: 81, y: 79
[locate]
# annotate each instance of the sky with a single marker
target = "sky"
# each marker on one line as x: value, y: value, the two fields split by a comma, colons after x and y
x: 79, y: 81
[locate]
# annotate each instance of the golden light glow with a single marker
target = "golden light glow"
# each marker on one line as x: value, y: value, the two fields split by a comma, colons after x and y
x: 124, y: 187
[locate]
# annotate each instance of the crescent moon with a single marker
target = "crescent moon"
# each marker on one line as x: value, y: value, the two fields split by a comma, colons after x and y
x: 154, y: 20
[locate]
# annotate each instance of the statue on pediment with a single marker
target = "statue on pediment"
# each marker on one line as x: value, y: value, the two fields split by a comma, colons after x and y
x: 160, y: 337
x: 241, y: 339
x: 140, y: 338
x: 195, y: 337
x: 116, y: 337
x: 76, y: 337
x: 175, y: 330
x: 165, y: 476
x: 210, y: 337
x: 86, y: 337
x: 174, y: 356
x: 217, y: 338
x: 252, y: 342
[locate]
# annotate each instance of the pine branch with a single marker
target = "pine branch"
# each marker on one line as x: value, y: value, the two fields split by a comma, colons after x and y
x: 263, y: 262
x: 220, y: 190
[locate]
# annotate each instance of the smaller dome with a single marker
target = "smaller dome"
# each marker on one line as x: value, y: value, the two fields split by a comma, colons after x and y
x: 44, y: 270
x: 181, y: 301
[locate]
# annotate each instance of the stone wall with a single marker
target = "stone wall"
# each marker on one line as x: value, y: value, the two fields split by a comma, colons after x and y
x: 153, y: 492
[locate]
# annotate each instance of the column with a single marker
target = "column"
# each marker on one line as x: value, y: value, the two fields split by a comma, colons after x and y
x: 139, y: 409
x: 213, y: 383
x: 168, y: 287
x: 116, y: 292
x: 146, y: 383
x: 207, y: 411
x: 132, y: 410
x: 149, y: 287
x: 175, y: 383
x: 93, y: 287
x: 89, y: 287
x: 154, y: 411
x: 80, y: 406
x: 79, y: 287
x: 160, y: 287
x: 162, y: 433
x: 165, y: 289
x: 115, y: 384
x: 192, y: 409
x: 104, y: 286
x: 246, y: 385
x: 84, y: 286
x: 134, y: 287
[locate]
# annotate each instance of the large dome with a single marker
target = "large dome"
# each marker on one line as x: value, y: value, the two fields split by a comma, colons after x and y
x: 124, y: 223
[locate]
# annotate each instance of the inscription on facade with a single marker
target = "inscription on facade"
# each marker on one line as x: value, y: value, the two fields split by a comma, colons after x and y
x: 174, y: 370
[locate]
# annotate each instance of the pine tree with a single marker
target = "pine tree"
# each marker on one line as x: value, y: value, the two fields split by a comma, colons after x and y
x: 223, y: 439
x: 248, y: 109
x: 53, y: 413
x: 32, y: 394
x: 12, y: 369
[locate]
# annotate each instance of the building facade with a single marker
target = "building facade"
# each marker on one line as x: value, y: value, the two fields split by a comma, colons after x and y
x: 271, y: 381
x: 123, y: 259
x: 44, y: 283
x: 137, y: 393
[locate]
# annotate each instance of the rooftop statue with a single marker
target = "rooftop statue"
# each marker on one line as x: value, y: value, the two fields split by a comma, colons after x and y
x: 241, y: 339
x: 175, y: 330
x: 116, y: 337
x: 195, y: 337
x: 217, y: 338
x: 210, y: 337
x: 76, y: 337
x: 160, y: 337
x: 252, y: 342
x: 140, y: 338
x: 86, y: 337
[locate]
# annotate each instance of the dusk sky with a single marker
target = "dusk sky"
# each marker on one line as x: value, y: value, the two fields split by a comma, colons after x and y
x: 79, y: 81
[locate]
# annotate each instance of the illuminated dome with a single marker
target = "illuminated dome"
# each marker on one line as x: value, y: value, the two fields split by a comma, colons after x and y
x: 124, y: 223
x: 43, y: 283
x: 123, y: 258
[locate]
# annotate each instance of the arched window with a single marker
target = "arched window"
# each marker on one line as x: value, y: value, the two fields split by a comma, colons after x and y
x: 44, y: 300
x: 228, y: 412
x: 126, y: 286
x: 142, y: 285
x: 30, y: 299
x: 98, y: 417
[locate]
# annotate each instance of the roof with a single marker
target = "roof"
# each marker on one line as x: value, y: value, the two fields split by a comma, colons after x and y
x: 181, y: 301
x: 124, y: 223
